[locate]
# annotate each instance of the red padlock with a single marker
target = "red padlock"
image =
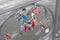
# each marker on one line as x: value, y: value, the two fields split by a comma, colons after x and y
x: 36, y: 11
x: 34, y: 23
x: 8, y: 35
x: 26, y: 29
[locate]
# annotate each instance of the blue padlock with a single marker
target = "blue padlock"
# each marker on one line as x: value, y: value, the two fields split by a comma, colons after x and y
x: 24, y: 17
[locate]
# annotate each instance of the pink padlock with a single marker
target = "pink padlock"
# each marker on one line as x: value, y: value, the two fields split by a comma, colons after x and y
x: 26, y: 29
x: 36, y: 11
x: 34, y: 23
x: 8, y: 35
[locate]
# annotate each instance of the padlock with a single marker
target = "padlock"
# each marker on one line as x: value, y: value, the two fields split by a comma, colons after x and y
x: 26, y: 29
x: 8, y: 36
x: 45, y: 26
x: 22, y: 28
x: 24, y: 17
x: 21, y: 21
x: 36, y: 11
x: 35, y: 21
x: 47, y: 30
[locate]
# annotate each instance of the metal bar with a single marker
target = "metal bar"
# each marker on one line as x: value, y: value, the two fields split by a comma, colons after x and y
x: 57, y: 12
